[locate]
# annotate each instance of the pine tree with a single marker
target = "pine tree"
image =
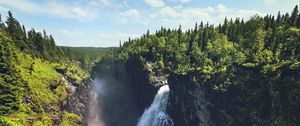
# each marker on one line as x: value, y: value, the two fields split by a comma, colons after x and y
x: 14, y: 29
x: 294, y: 16
x: 10, y: 81
x: 179, y: 35
x: 225, y: 27
x: 298, y: 21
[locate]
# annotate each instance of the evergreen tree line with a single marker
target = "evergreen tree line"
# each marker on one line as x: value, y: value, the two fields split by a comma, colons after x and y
x: 11, y: 83
x: 40, y: 45
x: 87, y: 56
x: 245, y: 66
x: 209, y: 49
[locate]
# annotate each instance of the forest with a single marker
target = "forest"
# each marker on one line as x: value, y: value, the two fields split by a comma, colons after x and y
x: 251, y: 65
x: 249, y: 69
x: 34, y: 73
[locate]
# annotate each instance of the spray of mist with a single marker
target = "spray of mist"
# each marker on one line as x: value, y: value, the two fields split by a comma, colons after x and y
x: 95, y: 118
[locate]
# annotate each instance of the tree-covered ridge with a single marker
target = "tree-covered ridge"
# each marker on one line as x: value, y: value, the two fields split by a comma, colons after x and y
x: 41, y: 45
x: 87, y: 56
x: 35, y: 43
x: 249, y: 69
x: 210, y: 49
x: 35, y: 78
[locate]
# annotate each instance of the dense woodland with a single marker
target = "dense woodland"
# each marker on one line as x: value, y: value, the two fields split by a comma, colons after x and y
x: 261, y: 41
x: 32, y: 91
x: 41, y: 45
x: 269, y: 45
x: 87, y: 56
x: 249, y: 69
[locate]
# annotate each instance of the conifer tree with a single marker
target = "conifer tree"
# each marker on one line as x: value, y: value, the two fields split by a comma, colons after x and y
x: 14, y: 29
x: 294, y: 16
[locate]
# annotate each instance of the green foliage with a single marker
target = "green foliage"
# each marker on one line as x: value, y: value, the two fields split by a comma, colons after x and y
x: 87, y: 56
x: 32, y: 87
x: 253, y: 65
x: 70, y: 119
x: 210, y: 50
x: 10, y: 82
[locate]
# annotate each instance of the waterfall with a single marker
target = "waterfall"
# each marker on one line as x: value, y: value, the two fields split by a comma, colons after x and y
x: 156, y: 114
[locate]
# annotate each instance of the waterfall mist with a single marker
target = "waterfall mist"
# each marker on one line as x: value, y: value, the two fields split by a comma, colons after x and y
x: 95, y: 117
x: 112, y: 104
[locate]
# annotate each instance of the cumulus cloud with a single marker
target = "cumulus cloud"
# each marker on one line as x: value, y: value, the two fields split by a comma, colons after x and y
x: 131, y: 13
x: 182, y: 1
x: 155, y: 3
x: 101, y: 2
x: 64, y: 11
x: 174, y: 16
x: 52, y: 8
x: 130, y: 16
x: 168, y: 11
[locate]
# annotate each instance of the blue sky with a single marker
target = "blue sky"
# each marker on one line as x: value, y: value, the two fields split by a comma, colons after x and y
x: 103, y: 23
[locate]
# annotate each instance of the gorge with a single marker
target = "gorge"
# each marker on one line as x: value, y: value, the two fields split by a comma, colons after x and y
x: 241, y: 72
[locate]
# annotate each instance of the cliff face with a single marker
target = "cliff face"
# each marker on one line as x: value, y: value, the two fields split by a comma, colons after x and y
x: 188, y: 104
x: 250, y: 98
x: 73, y: 92
x: 77, y: 100
x: 247, y: 97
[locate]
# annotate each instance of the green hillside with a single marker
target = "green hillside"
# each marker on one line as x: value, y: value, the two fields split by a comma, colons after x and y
x: 35, y: 75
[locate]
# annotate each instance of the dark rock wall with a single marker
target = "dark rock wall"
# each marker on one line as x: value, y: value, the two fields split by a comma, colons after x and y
x: 250, y: 98
x: 188, y: 105
x: 127, y: 91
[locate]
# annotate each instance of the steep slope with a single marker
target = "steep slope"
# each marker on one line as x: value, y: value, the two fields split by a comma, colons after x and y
x: 38, y: 92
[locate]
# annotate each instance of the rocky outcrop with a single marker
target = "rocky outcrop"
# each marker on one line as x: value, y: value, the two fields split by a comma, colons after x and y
x: 77, y: 96
x: 188, y: 105
x: 248, y: 98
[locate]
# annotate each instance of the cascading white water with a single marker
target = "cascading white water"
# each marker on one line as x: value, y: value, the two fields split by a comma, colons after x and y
x: 156, y: 115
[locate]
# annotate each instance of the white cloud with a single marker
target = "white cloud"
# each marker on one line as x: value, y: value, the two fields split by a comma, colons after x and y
x: 155, y: 3
x: 105, y: 2
x: 182, y: 1
x: 131, y: 13
x: 187, y: 17
x: 23, y: 5
x: 52, y: 8
x: 222, y: 9
x: 101, y: 2
x: 168, y: 11
x: 75, y: 12
x: 130, y: 16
